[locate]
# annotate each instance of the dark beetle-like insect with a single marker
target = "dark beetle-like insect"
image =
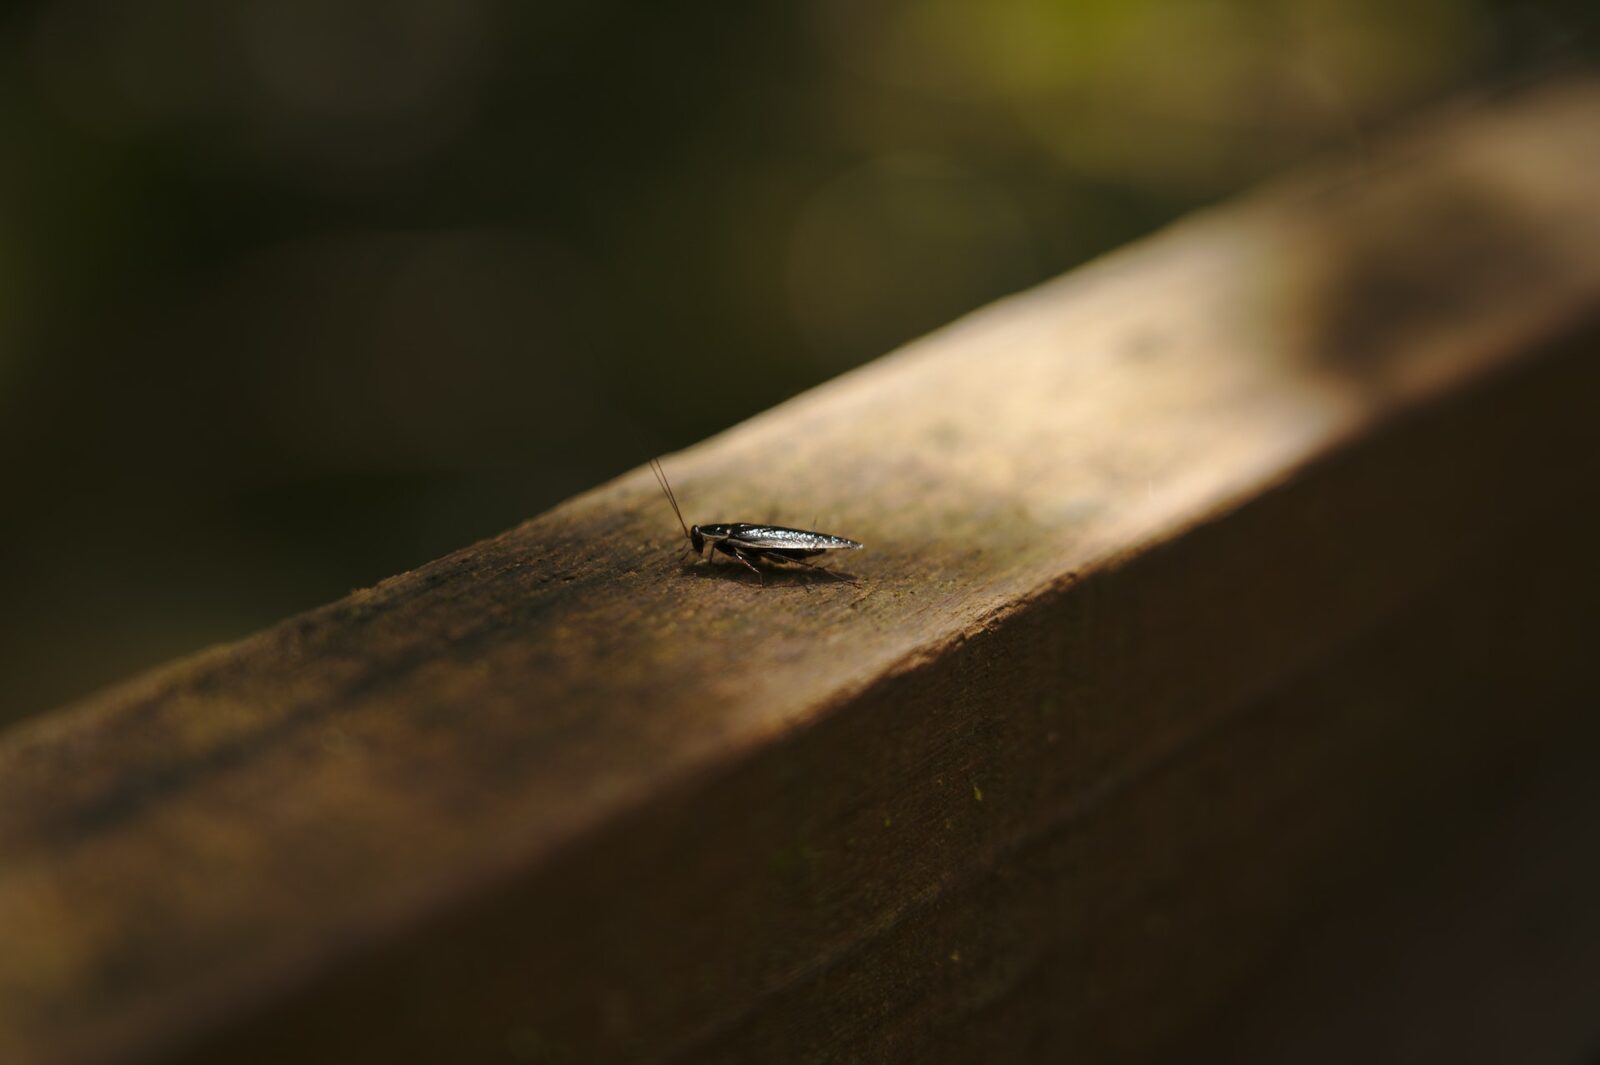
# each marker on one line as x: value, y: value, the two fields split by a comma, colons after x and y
x: 755, y: 543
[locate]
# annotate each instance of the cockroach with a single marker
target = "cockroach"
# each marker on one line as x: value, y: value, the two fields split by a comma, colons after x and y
x: 751, y: 543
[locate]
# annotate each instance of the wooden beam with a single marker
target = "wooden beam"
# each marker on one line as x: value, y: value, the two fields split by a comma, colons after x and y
x: 1201, y: 585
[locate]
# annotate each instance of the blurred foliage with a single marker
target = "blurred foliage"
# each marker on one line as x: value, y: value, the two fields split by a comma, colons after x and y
x: 295, y: 294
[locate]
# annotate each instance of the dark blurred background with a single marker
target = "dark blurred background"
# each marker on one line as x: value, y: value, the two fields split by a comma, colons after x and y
x: 297, y: 294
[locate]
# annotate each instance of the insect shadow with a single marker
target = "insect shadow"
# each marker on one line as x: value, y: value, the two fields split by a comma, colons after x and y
x: 771, y: 576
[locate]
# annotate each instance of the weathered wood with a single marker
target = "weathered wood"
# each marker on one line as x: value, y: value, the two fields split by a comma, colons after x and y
x: 1200, y: 586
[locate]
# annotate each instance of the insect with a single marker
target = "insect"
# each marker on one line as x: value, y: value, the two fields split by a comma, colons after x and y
x: 755, y: 543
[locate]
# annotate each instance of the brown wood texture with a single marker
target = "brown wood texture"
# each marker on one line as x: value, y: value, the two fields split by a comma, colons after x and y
x: 1210, y: 592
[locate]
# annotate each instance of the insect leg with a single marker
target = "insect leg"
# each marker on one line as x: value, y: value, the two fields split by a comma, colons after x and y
x: 821, y: 569
x: 742, y: 557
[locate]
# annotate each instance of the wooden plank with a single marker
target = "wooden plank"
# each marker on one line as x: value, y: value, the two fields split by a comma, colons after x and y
x: 1491, y: 955
x: 556, y: 797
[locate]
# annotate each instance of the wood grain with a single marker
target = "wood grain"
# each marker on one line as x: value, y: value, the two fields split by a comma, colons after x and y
x: 1057, y: 772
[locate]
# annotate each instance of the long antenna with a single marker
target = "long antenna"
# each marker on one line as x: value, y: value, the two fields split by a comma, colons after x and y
x: 661, y: 478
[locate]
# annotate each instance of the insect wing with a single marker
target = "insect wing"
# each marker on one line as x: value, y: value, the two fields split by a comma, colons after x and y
x: 777, y: 538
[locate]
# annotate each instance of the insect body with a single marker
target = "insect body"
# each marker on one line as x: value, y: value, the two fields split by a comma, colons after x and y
x: 751, y: 544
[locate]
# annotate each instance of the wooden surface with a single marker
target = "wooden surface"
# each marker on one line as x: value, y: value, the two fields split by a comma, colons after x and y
x: 1196, y: 596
